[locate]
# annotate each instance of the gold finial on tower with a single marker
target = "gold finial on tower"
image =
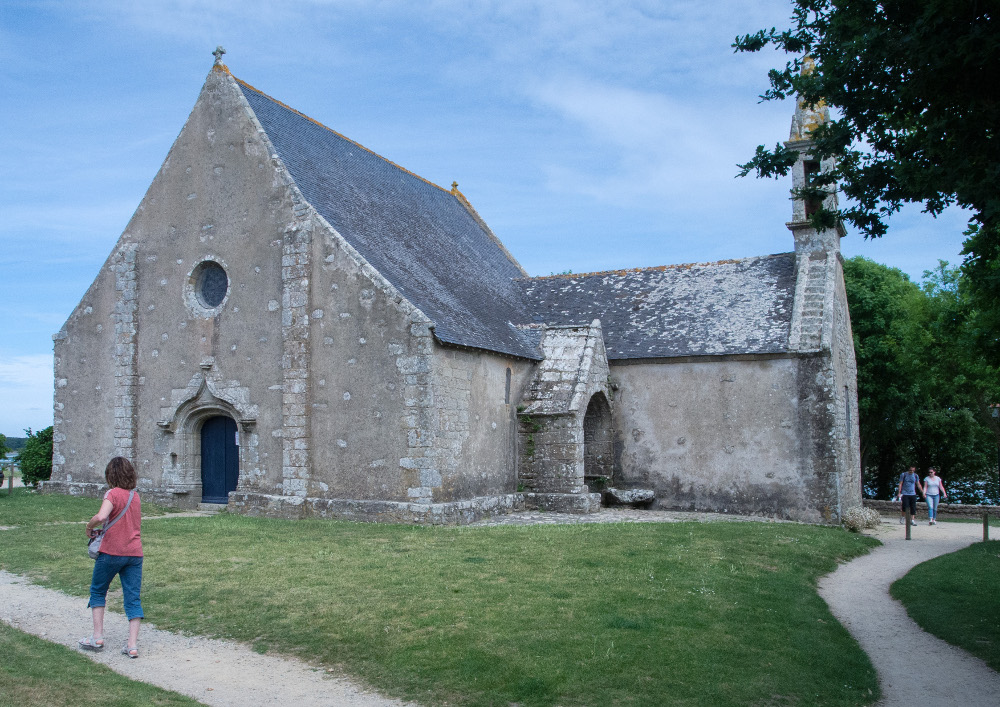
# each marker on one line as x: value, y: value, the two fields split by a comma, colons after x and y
x: 808, y: 117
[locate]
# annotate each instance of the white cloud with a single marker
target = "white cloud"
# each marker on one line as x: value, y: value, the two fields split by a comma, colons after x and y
x: 677, y: 152
x: 26, y: 389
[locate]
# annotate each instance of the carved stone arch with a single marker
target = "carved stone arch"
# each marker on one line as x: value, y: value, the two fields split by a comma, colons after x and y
x: 181, y: 425
x: 202, y: 390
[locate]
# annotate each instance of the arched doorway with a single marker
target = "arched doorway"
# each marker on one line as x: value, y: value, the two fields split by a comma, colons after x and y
x: 220, y: 459
x: 598, y: 443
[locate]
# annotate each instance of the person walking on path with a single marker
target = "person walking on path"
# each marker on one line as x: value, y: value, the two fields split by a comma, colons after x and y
x: 909, y: 484
x: 120, y: 554
x: 933, y: 492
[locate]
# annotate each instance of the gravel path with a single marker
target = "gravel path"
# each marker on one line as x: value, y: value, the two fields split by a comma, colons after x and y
x: 914, y: 668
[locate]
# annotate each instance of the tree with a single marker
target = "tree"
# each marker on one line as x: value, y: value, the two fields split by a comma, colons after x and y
x: 35, y: 460
x: 921, y: 387
x: 881, y: 301
x: 914, y: 88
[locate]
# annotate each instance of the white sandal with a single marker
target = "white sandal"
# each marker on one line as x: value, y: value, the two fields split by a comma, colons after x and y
x: 91, y: 644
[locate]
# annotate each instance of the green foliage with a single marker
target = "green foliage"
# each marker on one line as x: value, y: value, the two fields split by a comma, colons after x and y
x: 529, y: 425
x: 915, y: 118
x: 569, y: 614
x: 35, y: 460
x: 954, y: 598
x: 915, y: 121
x: 16, y: 444
x: 3, y: 447
x: 924, y: 391
x: 37, y: 672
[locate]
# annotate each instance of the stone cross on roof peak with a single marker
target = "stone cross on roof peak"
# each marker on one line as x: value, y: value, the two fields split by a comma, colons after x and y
x: 219, y: 51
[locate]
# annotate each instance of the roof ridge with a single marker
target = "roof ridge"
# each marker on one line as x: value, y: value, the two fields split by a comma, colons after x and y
x: 338, y: 134
x: 658, y: 268
x: 464, y: 201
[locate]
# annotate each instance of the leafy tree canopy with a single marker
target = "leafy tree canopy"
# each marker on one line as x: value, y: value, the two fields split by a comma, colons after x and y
x: 924, y: 392
x: 35, y: 460
x: 914, y: 85
x: 15, y: 444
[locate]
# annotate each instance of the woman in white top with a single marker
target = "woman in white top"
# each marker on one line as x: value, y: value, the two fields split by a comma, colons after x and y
x: 933, y: 491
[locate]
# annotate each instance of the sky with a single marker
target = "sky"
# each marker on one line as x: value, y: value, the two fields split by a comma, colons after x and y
x: 590, y: 135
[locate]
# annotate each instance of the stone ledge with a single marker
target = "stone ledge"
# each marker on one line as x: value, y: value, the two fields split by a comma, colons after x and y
x: 175, y: 498
x: 563, y: 502
x: 74, y: 488
x: 955, y: 510
x: 452, y: 513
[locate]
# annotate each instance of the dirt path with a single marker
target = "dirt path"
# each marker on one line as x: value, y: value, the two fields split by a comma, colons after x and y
x: 914, y: 667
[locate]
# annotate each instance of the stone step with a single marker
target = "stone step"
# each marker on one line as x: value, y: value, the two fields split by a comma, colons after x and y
x: 629, y: 497
x: 212, y: 507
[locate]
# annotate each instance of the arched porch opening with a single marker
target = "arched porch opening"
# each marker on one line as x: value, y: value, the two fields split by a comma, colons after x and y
x: 598, y: 443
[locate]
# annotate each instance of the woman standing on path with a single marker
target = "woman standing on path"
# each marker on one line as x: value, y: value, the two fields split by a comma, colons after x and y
x: 121, y: 554
x: 933, y: 490
x: 909, y: 484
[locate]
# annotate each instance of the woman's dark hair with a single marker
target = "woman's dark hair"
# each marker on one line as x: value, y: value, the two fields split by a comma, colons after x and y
x: 120, y: 473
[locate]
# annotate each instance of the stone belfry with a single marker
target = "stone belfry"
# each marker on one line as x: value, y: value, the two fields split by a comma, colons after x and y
x: 806, y: 119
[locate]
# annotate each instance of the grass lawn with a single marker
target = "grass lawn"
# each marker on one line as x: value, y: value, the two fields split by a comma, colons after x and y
x: 620, y: 614
x: 954, y: 597
x: 28, y: 507
x: 36, y: 672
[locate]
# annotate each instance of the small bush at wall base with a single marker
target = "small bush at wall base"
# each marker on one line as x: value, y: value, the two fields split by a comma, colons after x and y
x: 35, y: 460
x: 860, y: 518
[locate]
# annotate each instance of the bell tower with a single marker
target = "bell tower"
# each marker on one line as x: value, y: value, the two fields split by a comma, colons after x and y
x: 805, y: 170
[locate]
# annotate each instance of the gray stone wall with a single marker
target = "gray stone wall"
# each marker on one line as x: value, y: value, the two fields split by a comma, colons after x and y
x: 475, y: 441
x: 717, y: 435
x: 218, y: 197
x: 368, y: 384
x: 845, y: 373
x: 86, y: 392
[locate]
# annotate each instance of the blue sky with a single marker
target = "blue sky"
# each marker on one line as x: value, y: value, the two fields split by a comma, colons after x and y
x: 589, y: 135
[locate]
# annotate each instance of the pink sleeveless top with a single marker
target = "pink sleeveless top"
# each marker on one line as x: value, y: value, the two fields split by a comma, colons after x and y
x: 123, y: 537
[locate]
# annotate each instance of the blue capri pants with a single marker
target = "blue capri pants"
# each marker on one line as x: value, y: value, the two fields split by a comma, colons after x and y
x: 932, y: 504
x: 129, y: 569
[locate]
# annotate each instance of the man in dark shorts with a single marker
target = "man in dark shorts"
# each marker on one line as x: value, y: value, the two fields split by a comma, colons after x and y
x: 909, y: 484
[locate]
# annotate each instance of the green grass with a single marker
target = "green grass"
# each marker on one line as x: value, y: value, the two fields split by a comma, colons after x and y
x: 28, y: 507
x: 623, y: 614
x: 36, y: 672
x: 954, y: 597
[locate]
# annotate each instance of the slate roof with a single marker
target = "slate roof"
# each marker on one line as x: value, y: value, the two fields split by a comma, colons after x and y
x: 729, y: 307
x: 420, y: 237
x: 424, y: 240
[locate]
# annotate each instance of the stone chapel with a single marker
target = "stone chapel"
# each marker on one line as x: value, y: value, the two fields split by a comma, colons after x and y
x: 295, y: 326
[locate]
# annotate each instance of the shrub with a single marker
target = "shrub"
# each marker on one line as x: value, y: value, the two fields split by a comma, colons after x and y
x: 860, y: 518
x: 35, y: 459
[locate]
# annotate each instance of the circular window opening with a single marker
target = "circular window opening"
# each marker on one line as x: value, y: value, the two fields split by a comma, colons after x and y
x: 211, y: 284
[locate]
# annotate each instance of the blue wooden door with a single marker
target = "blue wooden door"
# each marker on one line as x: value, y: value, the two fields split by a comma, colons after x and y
x: 220, y: 459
